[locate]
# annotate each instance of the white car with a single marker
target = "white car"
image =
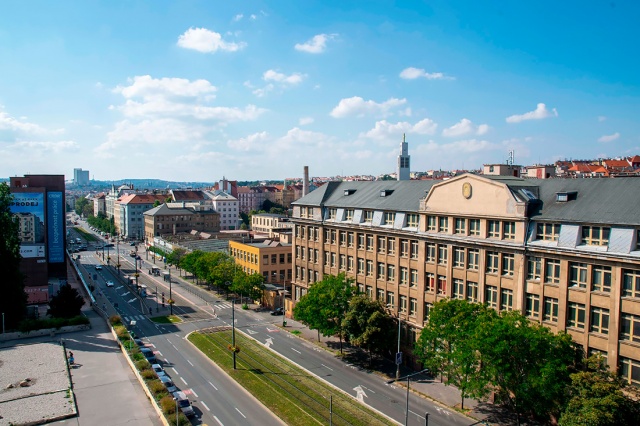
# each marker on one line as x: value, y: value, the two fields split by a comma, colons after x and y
x: 110, y: 284
x: 98, y: 268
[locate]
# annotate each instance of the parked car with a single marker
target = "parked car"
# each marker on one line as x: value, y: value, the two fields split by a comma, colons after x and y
x: 277, y: 311
x: 98, y: 267
x: 138, y: 342
x: 184, y: 403
x: 132, y: 243
x: 149, y: 355
x: 168, y: 383
x: 158, y: 369
x: 110, y: 284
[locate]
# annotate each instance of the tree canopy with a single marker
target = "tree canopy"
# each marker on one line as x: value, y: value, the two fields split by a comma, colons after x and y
x: 367, y: 325
x: 66, y: 304
x: 14, y: 300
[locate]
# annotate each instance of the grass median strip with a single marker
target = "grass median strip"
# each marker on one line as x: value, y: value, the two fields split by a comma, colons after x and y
x: 291, y: 393
x: 87, y: 236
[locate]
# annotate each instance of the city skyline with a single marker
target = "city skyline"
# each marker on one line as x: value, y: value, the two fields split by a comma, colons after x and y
x: 197, y: 91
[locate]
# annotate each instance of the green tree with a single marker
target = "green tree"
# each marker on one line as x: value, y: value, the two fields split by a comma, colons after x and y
x: 156, y: 203
x: 332, y: 296
x: 597, y: 398
x: 367, y: 325
x: 188, y: 261
x: 449, y: 345
x: 66, y: 304
x: 175, y: 256
x: 14, y: 300
x: 245, y: 219
x: 81, y: 203
x: 249, y: 285
x: 528, y: 365
x: 223, y: 274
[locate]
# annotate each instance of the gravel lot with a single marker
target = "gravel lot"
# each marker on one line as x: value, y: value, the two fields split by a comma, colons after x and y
x: 47, y: 396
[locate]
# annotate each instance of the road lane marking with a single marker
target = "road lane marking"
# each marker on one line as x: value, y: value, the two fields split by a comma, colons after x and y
x: 218, y: 420
x: 240, y: 412
x: 214, y: 386
x: 194, y: 393
x: 185, y: 382
x: 327, y: 367
x: 205, y: 406
x: 190, y: 363
x: 159, y: 353
x: 174, y: 347
x: 175, y: 371
x: 295, y: 350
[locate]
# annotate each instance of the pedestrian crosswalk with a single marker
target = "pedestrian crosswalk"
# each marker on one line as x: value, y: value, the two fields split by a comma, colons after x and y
x: 222, y: 305
x: 134, y: 318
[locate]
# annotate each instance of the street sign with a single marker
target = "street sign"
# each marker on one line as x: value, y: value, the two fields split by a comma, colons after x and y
x: 398, y: 358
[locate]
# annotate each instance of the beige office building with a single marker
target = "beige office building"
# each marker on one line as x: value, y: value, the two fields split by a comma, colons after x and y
x: 564, y: 252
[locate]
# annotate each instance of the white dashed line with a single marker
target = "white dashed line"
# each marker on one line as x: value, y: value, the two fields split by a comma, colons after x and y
x: 214, y: 386
x: 218, y: 420
x: 205, y: 406
x: 175, y: 371
x: 240, y: 412
x: 185, y: 382
x: 295, y: 350
x: 174, y: 347
x: 327, y: 367
x: 194, y: 393
x: 190, y: 363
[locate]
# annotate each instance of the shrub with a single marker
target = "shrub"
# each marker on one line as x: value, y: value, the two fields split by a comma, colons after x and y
x: 79, y: 320
x: 137, y: 356
x: 115, y: 320
x: 168, y: 405
x: 245, y: 306
x: 182, y: 419
x: 156, y: 386
x: 121, y: 332
x: 148, y: 374
x: 143, y: 365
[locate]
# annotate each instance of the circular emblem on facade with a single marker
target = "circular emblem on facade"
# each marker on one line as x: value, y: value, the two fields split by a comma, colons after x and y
x: 466, y: 190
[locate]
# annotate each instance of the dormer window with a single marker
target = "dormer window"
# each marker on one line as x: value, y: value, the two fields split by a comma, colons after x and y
x: 368, y: 216
x: 595, y: 235
x: 348, y: 215
x: 386, y: 192
x: 547, y: 231
x: 563, y: 197
x: 389, y: 218
x: 332, y: 213
x: 348, y: 192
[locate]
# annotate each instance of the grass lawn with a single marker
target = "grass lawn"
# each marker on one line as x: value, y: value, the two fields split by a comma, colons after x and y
x: 166, y: 319
x: 87, y: 236
x: 292, y: 394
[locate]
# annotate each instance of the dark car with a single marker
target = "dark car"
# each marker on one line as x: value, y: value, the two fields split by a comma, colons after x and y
x: 149, y: 355
x: 109, y: 245
x: 132, y: 243
x: 277, y: 311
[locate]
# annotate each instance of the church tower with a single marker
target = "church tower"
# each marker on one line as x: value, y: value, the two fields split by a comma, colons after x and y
x: 403, y: 170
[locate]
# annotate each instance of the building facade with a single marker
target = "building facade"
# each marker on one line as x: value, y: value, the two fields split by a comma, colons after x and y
x: 174, y: 219
x: 81, y: 177
x: 566, y: 253
x: 271, y: 259
x: 227, y: 206
x: 129, y: 214
x: 267, y: 223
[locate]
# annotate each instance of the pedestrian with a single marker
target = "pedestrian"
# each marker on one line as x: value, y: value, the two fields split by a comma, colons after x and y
x: 70, y: 354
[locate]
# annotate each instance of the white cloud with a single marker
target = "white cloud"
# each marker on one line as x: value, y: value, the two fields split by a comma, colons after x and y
x: 359, y: 107
x: 539, y: 113
x: 317, y: 44
x: 260, y: 92
x: 8, y: 122
x: 149, y: 88
x: 609, y: 138
x: 465, y: 127
x: 454, y: 149
x: 601, y: 118
x: 251, y: 143
x: 412, y: 73
x: 46, y: 146
x: 271, y: 75
x: 305, y: 120
x: 385, y: 131
x: 238, y: 17
x: 206, y: 41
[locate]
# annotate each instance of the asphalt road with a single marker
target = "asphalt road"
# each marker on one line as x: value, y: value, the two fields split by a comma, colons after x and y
x: 215, y: 394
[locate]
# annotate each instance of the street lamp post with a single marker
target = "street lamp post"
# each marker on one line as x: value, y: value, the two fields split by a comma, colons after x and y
x: 408, y: 377
x: 170, y: 298
x: 233, y: 330
x: 284, y: 291
x: 398, y: 353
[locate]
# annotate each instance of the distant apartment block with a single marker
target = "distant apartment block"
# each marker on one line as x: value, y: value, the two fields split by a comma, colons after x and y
x: 267, y: 223
x: 81, y: 177
x: 176, y: 218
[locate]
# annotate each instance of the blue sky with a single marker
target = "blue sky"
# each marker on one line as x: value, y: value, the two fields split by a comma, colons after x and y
x: 197, y: 90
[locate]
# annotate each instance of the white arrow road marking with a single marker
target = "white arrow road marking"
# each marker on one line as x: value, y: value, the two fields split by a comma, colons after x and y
x: 269, y: 342
x: 205, y: 406
x: 132, y: 300
x: 360, y: 395
x: 124, y: 294
x: 250, y: 331
x: 119, y: 287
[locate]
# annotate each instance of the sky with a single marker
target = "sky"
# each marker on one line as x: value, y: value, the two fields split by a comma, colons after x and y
x: 200, y: 90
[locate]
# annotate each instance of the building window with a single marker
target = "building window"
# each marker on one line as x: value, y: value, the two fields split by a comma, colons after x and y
x: 414, y: 249
x: 472, y: 291
x: 431, y: 223
x: 431, y: 253
x: 595, y: 235
x: 491, y: 296
x: 427, y: 310
x: 333, y: 260
x: 370, y: 268
x: 599, y: 320
x: 391, y: 245
x: 369, y: 291
x: 630, y: 371
x: 630, y: 283
x: 507, y: 264
x: 381, y: 271
x: 265, y: 259
x: 493, y: 229
x: 474, y: 227
x: 368, y: 216
x: 389, y: 218
x: 442, y: 255
x: 404, y: 248
x: 327, y: 236
x: 458, y: 257
x: 547, y: 231
x: 391, y: 272
x: 360, y: 241
x: 430, y: 282
x: 442, y: 284
x: 413, y: 279
x: 550, y: 309
x: 343, y: 262
x: 552, y: 272
x: 360, y: 270
x: 404, y: 276
x: 350, y: 239
x: 332, y: 213
x: 460, y: 226
x: 369, y: 242
x: 412, y: 220
x: 577, y: 275
x: 413, y: 306
x: 509, y: 230
x: 350, y: 263
x: 601, y: 279
x: 333, y: 236
x: 326, y: 258
x: 443, y: 224
x: 458, y: 289
x: 380, y: 294
x: 348, y: 215
x: 473, y: 259
x: 343, y: 238
x: 630, y: 328
x: 492, y: 262
x: 534, y: 267
x: 506, y: 300
x: 403, y: 303
x: 532, y: 305
x: 576, y: 315
x: 382, y: 245
x: 391, y: 299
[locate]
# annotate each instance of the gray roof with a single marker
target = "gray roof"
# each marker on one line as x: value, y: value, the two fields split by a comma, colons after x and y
x: 602, y: 200
x: 406, y: 195
x: 163, y: 209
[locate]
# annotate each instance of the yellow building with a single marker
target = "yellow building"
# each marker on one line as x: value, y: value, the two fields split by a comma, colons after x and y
x: 566, y: 253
